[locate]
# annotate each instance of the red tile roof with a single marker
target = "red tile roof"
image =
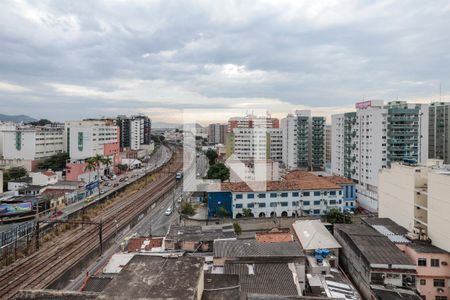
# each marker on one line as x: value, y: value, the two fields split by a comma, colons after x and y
x: 49, y: 173
x: 143, y: 244
x: 274, y: 237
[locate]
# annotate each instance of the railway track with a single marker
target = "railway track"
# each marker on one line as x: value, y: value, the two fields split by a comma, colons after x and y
x: 45, y: 266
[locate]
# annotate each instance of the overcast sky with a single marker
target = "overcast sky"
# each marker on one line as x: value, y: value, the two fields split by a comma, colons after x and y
x: 75, y: 59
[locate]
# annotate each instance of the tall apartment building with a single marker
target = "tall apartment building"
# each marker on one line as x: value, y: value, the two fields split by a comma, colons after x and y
x: 85, y: 139
x: 303, y: 141
x: 417, y: 198
x: 216, y: 133
x: 135, y: 131
x: 439, y: 131
x: 255, y: 143
x: 32, y: 143
x: 250, y: 120
x: 327, y: 146
x: 370, y: 139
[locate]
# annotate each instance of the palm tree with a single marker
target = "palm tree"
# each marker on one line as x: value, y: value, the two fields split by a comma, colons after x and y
x: 91, y: 166
x: 107, y: 161
x: 98, y: 160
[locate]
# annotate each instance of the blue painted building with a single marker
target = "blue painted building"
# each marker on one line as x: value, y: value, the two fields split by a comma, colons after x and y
x: 217, y: 200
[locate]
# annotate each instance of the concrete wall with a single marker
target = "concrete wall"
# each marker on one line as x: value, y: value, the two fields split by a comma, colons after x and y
x: 439, y: 210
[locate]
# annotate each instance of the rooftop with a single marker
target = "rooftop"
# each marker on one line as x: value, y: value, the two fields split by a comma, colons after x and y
x: 376, y: 248
x: 384, y: 293
x: 150, y: 277
x: 388, y: 223
x: 200, y: 233
x: 264, y: 278
x: 251, y: 248
x: 274, y: 237
x: 221, y: 286
x: 143, y: 244
x: 425, y: 247
x: 312, y: 235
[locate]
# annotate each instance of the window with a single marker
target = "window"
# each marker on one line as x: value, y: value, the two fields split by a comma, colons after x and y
x: 422, y: 262
x: 332, y: 193
x: 261, y: 195
x: 332, y: 202
x: 305, y: 193
x: 238, y: 196
x: 441, y: 298
x: 284, y: 203
x: 294, y: 203
x: 317, y: 211
x: 273, y: 195
x: 439, y: 282
x: 340, y: 192
x: 284, y: 195
x: 435, y: 262
x: 306, y: 203
x: 423, y: 282
x: 238, y: 205
x: 273, y: 204
x: 250, y: 196
x: 262, y: 204
x: 317, y: 193
x: 317, y: 202
x: 250, y: 205
x: 294, y: 194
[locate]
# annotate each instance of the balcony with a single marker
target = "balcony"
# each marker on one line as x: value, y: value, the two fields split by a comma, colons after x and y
x: 420, y: 215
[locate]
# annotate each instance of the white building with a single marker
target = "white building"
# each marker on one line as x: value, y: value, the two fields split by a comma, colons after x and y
x: 258, y: 170
x: 368, y: 140
x: 417, y: 198
x: 44, y: 178
x: 32, y: 143
x: 258, y: 143
x: 303, y: 141
x: 85, y: 139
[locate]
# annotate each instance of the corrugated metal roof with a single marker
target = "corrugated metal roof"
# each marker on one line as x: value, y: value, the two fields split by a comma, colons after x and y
x: 312, y: 234
x: 251, y: 248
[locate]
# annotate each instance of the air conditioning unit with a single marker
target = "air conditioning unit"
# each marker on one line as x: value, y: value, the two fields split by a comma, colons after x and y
x: 440, y: 290
x: 444, y: 263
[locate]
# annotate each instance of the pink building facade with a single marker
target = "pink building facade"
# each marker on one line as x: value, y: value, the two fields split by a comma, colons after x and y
x: 433, y: 270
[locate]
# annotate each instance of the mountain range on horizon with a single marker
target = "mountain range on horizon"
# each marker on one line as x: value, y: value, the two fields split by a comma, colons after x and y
x: 17, y: 118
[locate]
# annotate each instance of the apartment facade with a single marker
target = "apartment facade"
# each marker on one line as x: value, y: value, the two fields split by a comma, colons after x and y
x: 376, y: 135
x: 303, y: 195
x: 250, y: 121
x: 416, y: 197
x: 439, y: 131
x: 87, y: 138
x: 216, y: 133
x: 32, y: 143
x: 303, y: 141
x: 135, y: 131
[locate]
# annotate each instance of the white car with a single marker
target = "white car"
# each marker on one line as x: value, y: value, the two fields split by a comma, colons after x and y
x: 168, y: 211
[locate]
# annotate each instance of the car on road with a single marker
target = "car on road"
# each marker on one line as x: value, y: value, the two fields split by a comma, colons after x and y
x: 116, y: 184
x: 122, y: 179
x: 168, y: 211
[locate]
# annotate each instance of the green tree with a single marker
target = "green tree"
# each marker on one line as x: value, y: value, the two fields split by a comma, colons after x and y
x: 247, y: 212
x: 90, y: 167
x: 107, y: 161
x: 187, y: 209
x: 335, y: 216
x: 218, y: 171
x: 122, y: 167
x: 222, y: 212
x: 17, y: 172
x: 237, y: 228
x: 212, y: 156
x: 41, y: 122
x: 55, y: 162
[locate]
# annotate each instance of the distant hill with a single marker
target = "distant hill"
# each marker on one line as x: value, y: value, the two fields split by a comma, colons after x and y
x: 17, y: 119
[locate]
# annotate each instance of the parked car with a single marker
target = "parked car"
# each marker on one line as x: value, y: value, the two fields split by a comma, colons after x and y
x: 116, y: 184
x: 122, y: 179
x: 168, y: 211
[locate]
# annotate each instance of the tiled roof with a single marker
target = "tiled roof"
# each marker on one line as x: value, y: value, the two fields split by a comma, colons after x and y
x: 49, y: 173
x: 264, y: 278
x: 143, y: 244
x: 308, y: 183
x: 199, y: 233
x: 273, y: 237
x: 251, y: 248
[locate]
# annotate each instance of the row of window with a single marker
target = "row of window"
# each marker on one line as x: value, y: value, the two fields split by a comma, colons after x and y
x: 434, y: 262
x: 436, y: 282
x: 293, y: 203
x: 285, y: 194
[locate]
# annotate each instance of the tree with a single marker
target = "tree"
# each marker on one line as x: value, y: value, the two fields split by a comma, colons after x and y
x: 212, y: 156
x: 237, y: 228
x: 122, y: 167
x: 107, y: 161
x: 335, y: 216
x: 187, y: 209
x: 222, y: 212
x: 55, y: 162
x: 90, y: 167
x: 16, y: 172
x: 41, y: 122
x: 218, y: 171
x: 247, y: 212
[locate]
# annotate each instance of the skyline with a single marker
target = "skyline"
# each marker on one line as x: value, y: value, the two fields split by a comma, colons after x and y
x: 66, y: 61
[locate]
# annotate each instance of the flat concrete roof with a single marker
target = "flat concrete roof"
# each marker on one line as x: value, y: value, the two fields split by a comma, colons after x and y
x: 150, y: 277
